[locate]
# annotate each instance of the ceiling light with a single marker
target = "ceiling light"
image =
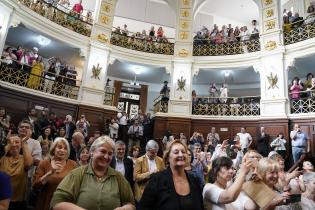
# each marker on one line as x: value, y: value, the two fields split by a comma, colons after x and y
x: 43, y: 41
x: 226, y: 73
x: 137, y: 70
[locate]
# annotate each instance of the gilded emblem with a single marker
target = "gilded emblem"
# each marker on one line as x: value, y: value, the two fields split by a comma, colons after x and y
x: 183, y: 53
x: 270, y: 45
x: 96, y: 70
x: 184, y: 25
x: 273, y: 81
x: 181, y: 84
x: 270, y: 25
x: 185, y: 13
x: 183, y: 35
x: 269, y: 13
x: 104, y: 20
x: 186, y: 2
x: 102, y: 38
x: 106, y: 8
x: 268, y: 2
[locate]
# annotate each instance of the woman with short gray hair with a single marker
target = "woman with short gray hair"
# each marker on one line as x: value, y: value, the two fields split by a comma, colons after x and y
x: 82, y: 187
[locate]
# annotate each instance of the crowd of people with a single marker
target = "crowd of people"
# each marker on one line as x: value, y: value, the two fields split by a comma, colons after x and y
x: 148, y: 42
x: 226, y: 34
x: 302, y: 89
x: 47, y: 162
x: 51, y: 8
x: 294, y: 22
x: 43, y: 73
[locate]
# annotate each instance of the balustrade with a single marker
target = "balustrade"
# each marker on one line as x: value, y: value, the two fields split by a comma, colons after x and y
x: 19, y: 75
x: 160, y: 104
x: 301, y: 33
x: 244, y: 106
x: 206, y: 48
x: 130, y: 42
x: 61, y: 15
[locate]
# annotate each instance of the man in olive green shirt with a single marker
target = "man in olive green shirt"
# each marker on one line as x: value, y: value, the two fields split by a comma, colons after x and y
x: 84, y: 189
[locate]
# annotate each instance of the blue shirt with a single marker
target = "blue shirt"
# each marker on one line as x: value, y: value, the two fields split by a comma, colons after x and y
x: 5, y: 189
x: 300, y: 140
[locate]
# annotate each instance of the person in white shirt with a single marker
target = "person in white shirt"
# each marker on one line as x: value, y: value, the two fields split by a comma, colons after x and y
x: 308, y: 198
x: 25, y: 131
x: 113, y: 129
x: 135, y: 133
x: 279, y: 145
x: 122, y: 130
x: 218, y: 195
x: 245, y: 139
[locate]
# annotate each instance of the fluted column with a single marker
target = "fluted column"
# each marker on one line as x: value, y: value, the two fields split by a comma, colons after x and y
x: 273, y: 77
x: 180, y: 98
x: 95, y: 73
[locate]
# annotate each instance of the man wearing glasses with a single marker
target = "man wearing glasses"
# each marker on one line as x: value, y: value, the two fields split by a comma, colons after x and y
x: 300, y: 142
x: 25, y: 131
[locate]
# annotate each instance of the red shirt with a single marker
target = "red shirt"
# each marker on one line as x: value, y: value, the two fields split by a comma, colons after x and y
x: 78, y: 8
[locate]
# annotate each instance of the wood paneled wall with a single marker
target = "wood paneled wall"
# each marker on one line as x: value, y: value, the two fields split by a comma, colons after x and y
x: 17, y: 104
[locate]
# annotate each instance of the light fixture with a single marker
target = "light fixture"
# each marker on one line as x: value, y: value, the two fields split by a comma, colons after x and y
x: 226, y: 74
x: 137, y: 70
x: 43, y: 41
x: 134, y: 82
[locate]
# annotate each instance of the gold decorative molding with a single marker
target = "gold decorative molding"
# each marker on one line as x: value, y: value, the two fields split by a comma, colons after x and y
x: 269, y: 13
x: 105, y: 8
x: 186, y: 2
x: 104, y: 19
x: 184, y: 24
x: 102, y: 38
x: 183, y: 53
x: 270, y: 45
x: 96, y: 70
x: 185, y: 13
x: 268, y: 2
x: 270, y: 25
x: 273, y: 81
x: 183, y: 35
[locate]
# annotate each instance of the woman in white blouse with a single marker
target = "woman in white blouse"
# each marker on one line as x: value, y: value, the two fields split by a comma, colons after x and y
x: 220, y: 195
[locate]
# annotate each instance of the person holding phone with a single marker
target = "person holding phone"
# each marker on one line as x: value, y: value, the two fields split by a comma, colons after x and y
x: 300, y: 142
x: 82, y: 124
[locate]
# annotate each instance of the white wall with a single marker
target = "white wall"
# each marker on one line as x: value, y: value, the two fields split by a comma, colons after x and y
x: 138, y: 26
x: 233, y: 90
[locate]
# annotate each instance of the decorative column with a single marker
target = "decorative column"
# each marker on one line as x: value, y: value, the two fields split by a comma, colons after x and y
x: 273, y: 77
x: 181, y: 76
x: 94, y: 75
x: 5, y: 22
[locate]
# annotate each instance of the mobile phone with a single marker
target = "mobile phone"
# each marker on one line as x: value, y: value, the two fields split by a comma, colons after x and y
x: 294, y: 198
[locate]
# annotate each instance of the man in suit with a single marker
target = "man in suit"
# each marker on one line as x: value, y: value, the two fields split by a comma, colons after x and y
x: 146, y: 165
x: 75, y: 146
x: 121, y: 163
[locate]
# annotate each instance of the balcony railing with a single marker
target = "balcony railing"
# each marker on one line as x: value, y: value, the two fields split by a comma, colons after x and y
x: 160, y: 104
x: 19, y: 75
x: 245, y: 106
x: 302, y: 102
x: 205, y: 48
x: 61, y: 15
x: 298, y: 34
x: 143, y: 45
x: 109, y: 96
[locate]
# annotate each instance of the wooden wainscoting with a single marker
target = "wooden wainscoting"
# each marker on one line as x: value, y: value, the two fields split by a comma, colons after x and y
x: 226, y: 129
x: 308, y: 126
x: 17, y: 104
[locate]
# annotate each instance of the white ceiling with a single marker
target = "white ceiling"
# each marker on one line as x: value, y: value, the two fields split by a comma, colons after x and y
x: 237, y: 76
x: 237, y: 10
x: 148, y: 74
x: 21, y: 36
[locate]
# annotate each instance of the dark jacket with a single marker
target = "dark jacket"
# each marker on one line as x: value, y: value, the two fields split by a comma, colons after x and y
x: 160, y: 193
x: 263, y: 145
x: 128, y: 169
